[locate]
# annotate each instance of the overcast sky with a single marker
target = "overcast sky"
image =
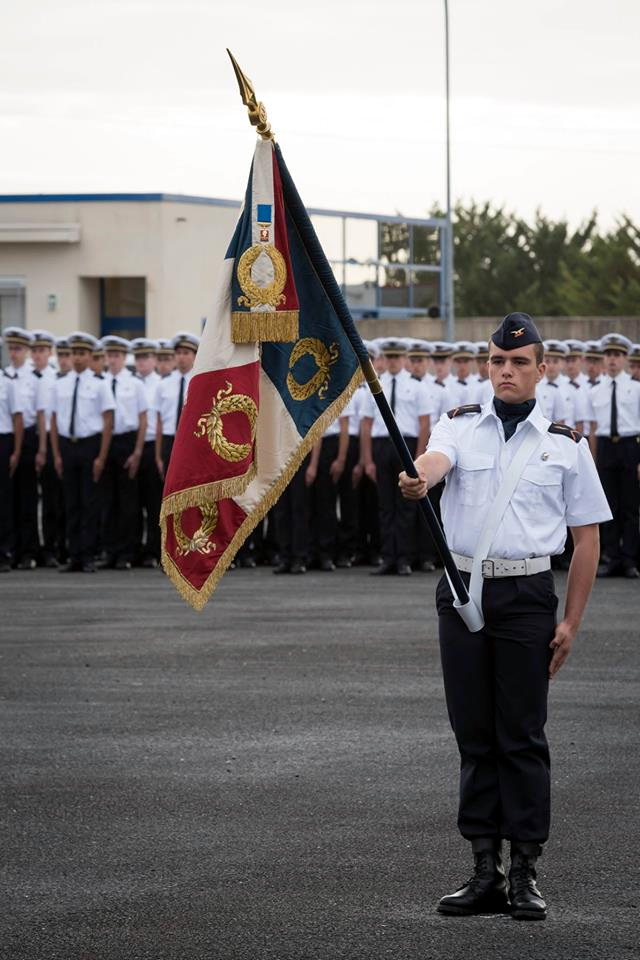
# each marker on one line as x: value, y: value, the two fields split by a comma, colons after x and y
x: 138, y: 95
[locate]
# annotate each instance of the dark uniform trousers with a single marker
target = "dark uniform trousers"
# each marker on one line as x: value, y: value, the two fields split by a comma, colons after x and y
x: 618, y: 469
x: 398, y: 517
x: 149, y: 501
x: 82, y: 497
x: 348, y: 499
x: 53, y: 519
x: 6, y: 511
x: 496, y: 685
x: 323, y: 497
x: 368, y: 518
x: 25, y: 500
x: 292, y: 519
x: 120, y: 494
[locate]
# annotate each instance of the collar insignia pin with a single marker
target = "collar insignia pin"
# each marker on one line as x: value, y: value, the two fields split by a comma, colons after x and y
x: 517, y: 333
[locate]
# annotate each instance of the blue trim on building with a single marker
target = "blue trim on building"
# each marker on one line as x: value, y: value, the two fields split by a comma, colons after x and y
x: 116, y: 198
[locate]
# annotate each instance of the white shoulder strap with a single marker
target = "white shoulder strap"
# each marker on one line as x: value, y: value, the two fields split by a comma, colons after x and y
x: 497, y: 510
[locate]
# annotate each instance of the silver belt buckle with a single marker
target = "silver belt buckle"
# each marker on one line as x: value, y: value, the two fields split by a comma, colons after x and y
x: 487, y: 568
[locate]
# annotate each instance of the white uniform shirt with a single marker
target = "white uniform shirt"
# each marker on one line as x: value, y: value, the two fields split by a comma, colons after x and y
x: 26, y: 386
x: 441, y: 399
x: 93, y: 398
x: 166, y: 399
x: 627, y: 405
x: 461, y: 392
x: 580, y: 411
x: 353, y: 408
x: 559, y: 487
x: 44, y: 391
x: 482, y: 391
x: 9, y: 403
x: 412, y: 400
x: 551, y: 400
x: 130, y: 398
x: 150, y: 384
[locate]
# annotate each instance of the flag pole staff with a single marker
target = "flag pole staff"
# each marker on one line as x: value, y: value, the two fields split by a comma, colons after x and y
x: 297, y: 210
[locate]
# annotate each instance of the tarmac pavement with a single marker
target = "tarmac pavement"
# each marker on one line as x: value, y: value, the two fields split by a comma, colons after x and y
x: 275, y: 778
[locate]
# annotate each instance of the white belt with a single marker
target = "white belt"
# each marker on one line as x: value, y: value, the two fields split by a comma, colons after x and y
x: 494, y: 567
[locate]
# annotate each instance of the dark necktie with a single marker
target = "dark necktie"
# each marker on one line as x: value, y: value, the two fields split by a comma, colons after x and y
x: 393, y: 395
x: 113, y: 386
x: 180, y: 402
x: 614, y: 411
x: 72, y: 421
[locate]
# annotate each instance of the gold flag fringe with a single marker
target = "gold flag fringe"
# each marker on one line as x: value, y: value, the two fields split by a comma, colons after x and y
x: 205, y: 492
x: 273, y: 326
x: 198, y: 598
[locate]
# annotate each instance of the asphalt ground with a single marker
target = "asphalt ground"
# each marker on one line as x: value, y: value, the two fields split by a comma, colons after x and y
x: 276, y: 778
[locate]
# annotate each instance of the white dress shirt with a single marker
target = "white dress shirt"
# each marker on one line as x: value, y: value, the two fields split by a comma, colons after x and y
x: 93, y: 398
x: 627, y: 405
x: 150, y: 384
x: 9, y: 403
x: 412, y: 400
x: 461, y: 391
x: 482, y: 391
x: 166, y: 399
x: 130, y: 399
x: 552, y: 401
x: 26, y: 387
x: 44, y: 391
x: 559, y: 487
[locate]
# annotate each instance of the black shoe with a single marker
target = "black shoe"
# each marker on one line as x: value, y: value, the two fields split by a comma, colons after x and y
x: 248, y: 563
x: 611, y: 569
x: 149, y: 563
x: 26, y: 563
x: 486, y: 889
x: 631, y: 573
x: 5, y: 565
x: 375, y: 560
x: 326, y: 563
x: 88, y: 567
x: 72, y: 566
x: 526, y: 899
x: 298, y: 567
x: 49, y: 562
x: 282, y: 568
x: 343, y: 563
x: 404, y: 570
x: 384, y: 570
x: 106, y: 563
x: 122, y: 564
x: 426, y: 566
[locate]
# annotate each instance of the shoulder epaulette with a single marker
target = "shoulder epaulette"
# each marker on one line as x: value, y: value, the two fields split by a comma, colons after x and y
x: 466, y: 408
x: 566, y: 431
x: 99, y: 376
x: 414, y: 377
x: 574, y: 384
x: 37, y: 373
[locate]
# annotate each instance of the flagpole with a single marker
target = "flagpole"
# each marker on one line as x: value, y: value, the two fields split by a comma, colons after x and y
x: 300, y: 217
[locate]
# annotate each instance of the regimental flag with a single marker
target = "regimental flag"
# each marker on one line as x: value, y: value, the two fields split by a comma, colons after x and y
x: 275, y: 367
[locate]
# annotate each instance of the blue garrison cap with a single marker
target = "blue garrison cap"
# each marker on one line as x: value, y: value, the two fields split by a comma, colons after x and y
x: 516, y: 330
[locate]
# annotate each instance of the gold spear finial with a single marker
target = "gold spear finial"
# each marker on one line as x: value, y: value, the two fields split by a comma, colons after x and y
x: 257, y: 111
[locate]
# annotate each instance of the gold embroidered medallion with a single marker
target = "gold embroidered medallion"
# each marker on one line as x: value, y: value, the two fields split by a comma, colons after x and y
x: 211, y: 425
x: 324, y: 357
x: 254, y: 295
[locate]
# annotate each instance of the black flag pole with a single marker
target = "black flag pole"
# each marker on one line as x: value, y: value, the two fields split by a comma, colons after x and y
x: 302, y: 222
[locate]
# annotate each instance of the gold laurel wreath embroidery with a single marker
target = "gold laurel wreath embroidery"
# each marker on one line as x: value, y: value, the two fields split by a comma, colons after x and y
x: 324, y: 357
x: 211, y: 424
x: 199, y: 542
x: 256, y: 296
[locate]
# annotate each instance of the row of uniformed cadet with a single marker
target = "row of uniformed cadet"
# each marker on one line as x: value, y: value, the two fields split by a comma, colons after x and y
x: 95, y: 437
x: 342, y: 508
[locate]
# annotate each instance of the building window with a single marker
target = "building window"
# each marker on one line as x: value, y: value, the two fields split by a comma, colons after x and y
x: 123, y: 309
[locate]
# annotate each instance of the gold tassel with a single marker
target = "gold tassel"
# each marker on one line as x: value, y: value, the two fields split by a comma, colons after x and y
x: 198, y: 598
x: 280, y: 326
x: 205, y: 492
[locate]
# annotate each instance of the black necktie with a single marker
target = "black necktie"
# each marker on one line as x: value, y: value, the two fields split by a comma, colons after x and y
x: 614, y: 411
x: 393, y: 395
x: 180, y: 402
x: 72, y: 422
x: 113, y: 386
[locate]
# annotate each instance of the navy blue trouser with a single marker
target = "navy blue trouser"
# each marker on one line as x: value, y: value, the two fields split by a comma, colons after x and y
x: 496, y: 685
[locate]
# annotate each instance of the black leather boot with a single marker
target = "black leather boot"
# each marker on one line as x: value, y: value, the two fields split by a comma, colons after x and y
x: 526, y: 899
x: 486, y: 890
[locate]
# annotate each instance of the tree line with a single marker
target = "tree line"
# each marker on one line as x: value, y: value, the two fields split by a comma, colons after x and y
x: 503, y: 262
